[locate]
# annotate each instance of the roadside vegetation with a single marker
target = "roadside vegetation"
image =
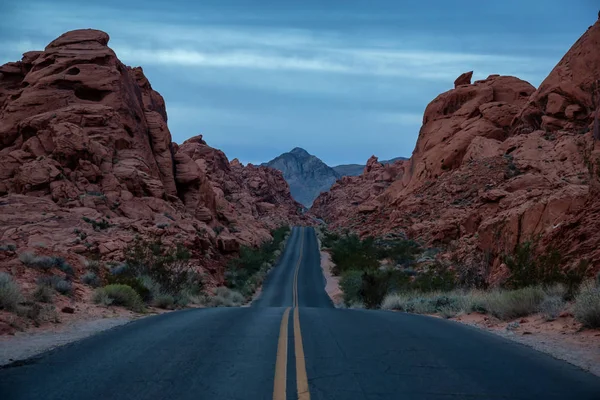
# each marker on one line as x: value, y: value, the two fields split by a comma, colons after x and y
x: 152, y: 274
x: 395, y: 273
x: 245, y: 274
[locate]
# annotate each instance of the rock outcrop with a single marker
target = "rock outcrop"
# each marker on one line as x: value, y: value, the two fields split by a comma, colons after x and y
x: 358, y: 169
x: 308, y: 176
x: 87, y: 163
x: 497, y: 163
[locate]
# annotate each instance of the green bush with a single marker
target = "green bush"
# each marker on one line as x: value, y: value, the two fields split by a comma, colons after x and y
x: 225, y: 297
x: 91, y: 279
x: 94, y: 266
x: 374, y: 287
x: 551, y: 307
x: 351, y: 285
x: 351, y: 253
x: 64, y: 287
x: 10, y: 293
x: 165, y: 301
x: 43, y: 293
x: 587, y: 305
x: 45, y: 263
x: 402, y: 252
x: 247, y: 272
x: 168, y: 266
x: 528, y: 269
x: 511, y: 304
x: 436, y: 278
x: 119, y: 295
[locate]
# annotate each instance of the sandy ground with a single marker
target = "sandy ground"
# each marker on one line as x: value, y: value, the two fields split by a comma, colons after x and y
x: 28, y: 344
x: 563, y: 338
x: 332, y: 286
x: 21, y: 338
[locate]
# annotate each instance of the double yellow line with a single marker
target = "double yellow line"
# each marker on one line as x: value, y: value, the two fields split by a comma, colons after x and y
x: 279, y: 386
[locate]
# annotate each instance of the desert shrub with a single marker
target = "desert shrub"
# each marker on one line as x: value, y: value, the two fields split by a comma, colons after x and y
x: 448, y: 312
x: 402, y: 252
x: 8, y: 247
x: 94, y: 265
x: 587, y: 305
x: 551, y: 307
x: 510, y: 304
x: 65, y: 267
x: 374, y: 287
x: 225, y: 297
x: 559, y: 290
x: 395, y: 301
x: 49, y: 280
x: 91, y: 279
x: 119, y: 269
x: 43, y: 293
x: 152, y: 287
x: 351, y: 253
x: 528, y: 269
x: 133, y: 282
x: 63, y: 287
x: 45, y: 263
x: 351, y: 284
x: 165, y: 301
x: 247, y: 272
x: 97, y: 225
x: 10, y: 293
x: 102, y: 298
x: 119, y: 295
x: 167, y: 265
x: 435, y: 278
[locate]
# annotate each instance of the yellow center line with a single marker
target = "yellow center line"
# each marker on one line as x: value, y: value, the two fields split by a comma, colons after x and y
x: 279, y: 386
x: 295, y: 285
x: 301, y: 378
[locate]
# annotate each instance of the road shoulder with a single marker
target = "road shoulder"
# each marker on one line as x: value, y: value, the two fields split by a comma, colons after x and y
x: 563, y: 338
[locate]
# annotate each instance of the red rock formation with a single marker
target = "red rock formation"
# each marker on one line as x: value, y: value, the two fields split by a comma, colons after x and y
x: 84, y: 136
x: 463, y: 79
x: 496, y: 163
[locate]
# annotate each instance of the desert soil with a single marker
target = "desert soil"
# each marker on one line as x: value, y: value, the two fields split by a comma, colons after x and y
x: 332, y: 286
x: 562, y: 338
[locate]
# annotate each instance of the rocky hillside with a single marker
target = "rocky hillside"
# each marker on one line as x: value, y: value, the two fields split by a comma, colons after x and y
x: 306, y: 174
x: 497, y: 163
x: 358, y: 169
x: 87, y: 164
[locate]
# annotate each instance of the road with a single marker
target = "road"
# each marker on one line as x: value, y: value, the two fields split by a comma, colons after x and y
x: 292, y: 344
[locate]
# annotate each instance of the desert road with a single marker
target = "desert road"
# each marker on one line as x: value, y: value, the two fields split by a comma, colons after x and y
x: 292, y: 344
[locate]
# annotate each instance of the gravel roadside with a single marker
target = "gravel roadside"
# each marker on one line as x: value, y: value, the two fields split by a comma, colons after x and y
x: 24, y: 345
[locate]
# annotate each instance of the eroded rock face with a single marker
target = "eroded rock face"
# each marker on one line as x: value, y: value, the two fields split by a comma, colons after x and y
x: 84, y: 136
x: 570, y: 95
x: 497, y: 163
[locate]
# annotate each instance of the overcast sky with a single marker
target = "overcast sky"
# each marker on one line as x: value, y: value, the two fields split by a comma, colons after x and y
x: 342, y: 79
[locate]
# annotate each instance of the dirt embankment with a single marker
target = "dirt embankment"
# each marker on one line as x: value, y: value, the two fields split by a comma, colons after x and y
x: 332, y: 283
x: 562, y: 338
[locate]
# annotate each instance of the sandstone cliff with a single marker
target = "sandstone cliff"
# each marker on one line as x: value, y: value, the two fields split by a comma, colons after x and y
x: 87, y: 163
x: 497, y: 163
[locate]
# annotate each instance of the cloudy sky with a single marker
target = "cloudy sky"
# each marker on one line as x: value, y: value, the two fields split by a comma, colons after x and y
x: 342, y: 79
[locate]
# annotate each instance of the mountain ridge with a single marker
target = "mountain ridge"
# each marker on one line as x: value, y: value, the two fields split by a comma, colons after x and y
x: 308, y: 176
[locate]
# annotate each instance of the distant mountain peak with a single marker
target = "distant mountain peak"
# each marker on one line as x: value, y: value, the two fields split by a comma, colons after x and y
x: 308, y: 176
x: 299, y: 151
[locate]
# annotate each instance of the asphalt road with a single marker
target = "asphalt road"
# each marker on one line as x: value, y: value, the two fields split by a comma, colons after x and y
x: 293, y: 344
